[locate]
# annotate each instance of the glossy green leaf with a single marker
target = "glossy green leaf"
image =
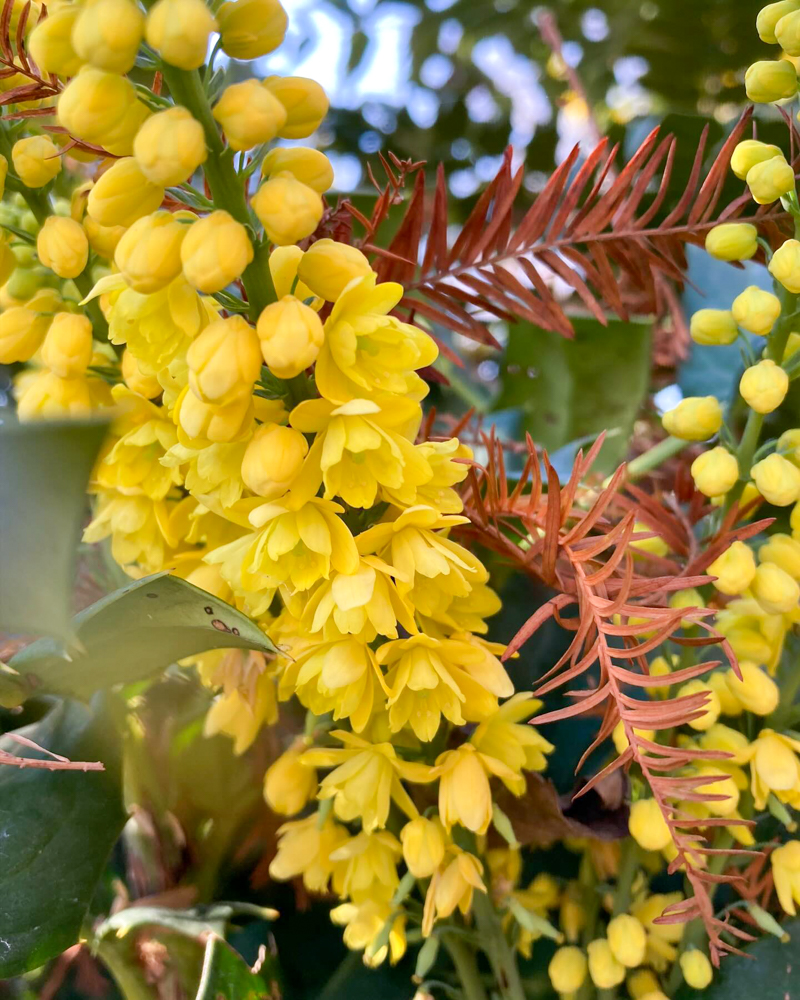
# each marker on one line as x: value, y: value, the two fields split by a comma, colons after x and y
x: 568, y: 389
x: 45, y: 468
x: 135, y: 633
x: 226, y: 975
x: 57, y: 829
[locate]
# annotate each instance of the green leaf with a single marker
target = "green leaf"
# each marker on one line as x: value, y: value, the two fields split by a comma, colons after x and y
x: 211, y: 919
x: 57, y: 829
x: 226, y: 975
x: 134, y: 634
x: 568, y: 389
x: 45, y: 468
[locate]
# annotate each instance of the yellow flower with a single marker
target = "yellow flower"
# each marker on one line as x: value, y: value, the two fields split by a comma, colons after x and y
x: 139, y: 528
x: 305, y: 102
x: 768, y: 81
x: 766, y: 21
x: 62, y: 246
x: 627, y: 940
x: 715, y: 471
x: 107, y: 34
x: 711, y: 708
x: 215, y: 252
x: 364, y: 923
x: 464, y: 793
x: 287, y: 209
x: 47, y: 395
x: 224, y: 361
x: 245, y: 705
x: 764, y: 386
x: 756, y: 310
x: 695, y: 418
x: 729, y: 703
x: 774, y: 589
x: 713, y: 327
x: 370, y: 865
x: 734, y: 569
x: 754, y: 635
x: 647, y: 825
x: 288, y: 784
x: 36, y: 160
x: 785, y: 265
x: 148, y: 256
x: 273, y: 459
x: 438, y: 491
x: 212, y: 472
x: 567, y: 969
x: 251, y: 28
x: 283, y: 264
x: 97, y: 107
x: 249, y: 114
x: 304, y: 848
x: 756, y: 691
x: 787, y: 33
x: 22, y: 331
x: 178, y: 30
x: 696, y: 969
x: 771, y: 179
x: 750, y: 152
x: 502, y: 736
x: 310, y: 166
x: 774, y: 768
x: 67, y: 347
x: 367, y: 349
x: 661, y: 938
x: 785, y: 861
x: 366, y: 779
x: 451, y: 886
x: 102, y: 239
x: 620, y: 737
x: 784, y: 551
x: 201, y: 424
x: 604, y: 969
x: 327, y: 267
x: 123, y: 194
x: 291, y: 336
x: 170, y: 146
x: 721, y: 783
x: 424, y: 842
x: 50, y: 42
x: 732, y: 241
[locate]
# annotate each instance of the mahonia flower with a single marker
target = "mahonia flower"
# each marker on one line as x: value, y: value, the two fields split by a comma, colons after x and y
x: 370, y: 865
x: 438, y: 491
x: 785, y: 861
x: 424, y: 842
x: 364, y: 923
x: 248, y: 701
x: 501, y: 736
x: 452, y: 885
x: 139, y: 527
x: 305, y: 847
x: 288, y: 784
x: 774, y: 767
x: 464, y: 793
x: 661, y: 938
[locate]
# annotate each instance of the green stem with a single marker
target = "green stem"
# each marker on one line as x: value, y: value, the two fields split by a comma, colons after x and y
x: 498, y: 950
x: 654, y: 457
x: 628, y: 866
x: 466, y: 965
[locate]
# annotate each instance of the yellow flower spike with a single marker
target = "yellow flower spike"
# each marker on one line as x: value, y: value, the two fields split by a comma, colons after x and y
x: 250, y: 29
x: 22, y: 331
x: 288, y: 784
x: 774, y: 767
x: 712, y: 327
x: 715, y: 472
x: 283, y: 264
x: 310, y: 166
x: 777, y: 480
x: 273, y: 459
x: 424, y: 842
x: 764, y: 385
x: 102, y: 239
x: 785, y: 862
x: 567, y: 969
x: 627, y: 940
x: 305, y: 101
x: 291, y: 335
x: 249, y: 115
x: 123, y: 194
x: 62, y: 246
x: 107, y: 34
x: 712, y: 708
x: 452, y: 887
x: 604, y: 969
x: 366, y: 779
x: 749, y: 152
x: 224, y: 361
x: 770, y: 179
x: 647, y: 825
x: 696, y: 969
x: 464, y: 793
x: 50, y: 42
x: 784, y: 551
x: 695, y: 418
x: 215, y: 252
x: 327, y: 267
x: 370, y: 865
x: 768, y: 81
x: 36, y: 160
x: 169, y: 147
x: 774, y: 589
x: 67, y: 347
x: 304, y: 848
x: 756, y: 310
x: 785, y: 265
x: 148, y: 255
x: 179, y: 30
x: 732, y: 241
x: 207, y: 423
x: 287, y: 209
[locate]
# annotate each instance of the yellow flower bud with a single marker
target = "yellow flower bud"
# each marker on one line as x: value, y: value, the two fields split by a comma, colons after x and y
x: 764, y: 386
x: 647, y: 825
x: 643, y: 985
x: 756, y: 691
x: 756, y: 310
x: 62, y: 246
x: 729, y: 703
x: 307, y: 165
x: 273, y: 459
x: 784, y: 551
x: 734, y: 569
x: 769, y: 16
x: 620, y: 738
x: 102, y: 239
x: 288, y: 209
x: 627, y: 940
x: 732, y: 241
x: 215, y: 252
x: 3, y: 174
x: 787, y: 33
x: 178, y: 30
x: 789, y: 445
x: 251, y: 28
x: 715, y: 471
x: 660, y: 666
x: 123, y: 194
x: 777, y: 480
x: 770, y: 179
x: 8, y: 261
x: 200, y: 423
x: 713, y: 708
x: 107, y: 34
x: 750, y: 152
x: 567, y: 969
x: 22, y: 331
x: 249, y: 114
x: 696, y: 969
x: 305, y: 101
x: 283, y: 264
x: 135, y: 379
x: 327, y: 267
x: 288, y: 784
x: 423, y: 845
x: 769, y: 80
x: 605, y: 971
x: 785, y: 265
x: 774, y: 589
x: 36, y: 160
x: 67, y: 347
x: 50, y: 42
x: 695, y: 418
x: 291, y: 336
x: 49, y: 396
x: 94, y: 106
x: 655, y: 545
x: 170, y: 146
x: 224, y: 361
x: 149, y: 254
x: 713, y: 327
